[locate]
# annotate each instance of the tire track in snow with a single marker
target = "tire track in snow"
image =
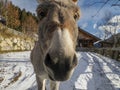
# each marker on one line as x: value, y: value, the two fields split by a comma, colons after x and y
x: 85, y: 80
x: 113, y: 73
x: 113, y: 64
x: 106, y: 83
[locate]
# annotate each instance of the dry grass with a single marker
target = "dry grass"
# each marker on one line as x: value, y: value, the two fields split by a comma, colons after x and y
x: 2, y: 52
x: 7, y: 32
x: 14, y: 79
x: 4, y: 31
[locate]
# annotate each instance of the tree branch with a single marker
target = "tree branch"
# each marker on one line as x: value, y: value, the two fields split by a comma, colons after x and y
x: 101, y: 8
x: 115, y: 4
x: 89, y: 5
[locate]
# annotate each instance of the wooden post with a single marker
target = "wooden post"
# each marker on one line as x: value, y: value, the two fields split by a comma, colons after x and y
x: 116, y: 54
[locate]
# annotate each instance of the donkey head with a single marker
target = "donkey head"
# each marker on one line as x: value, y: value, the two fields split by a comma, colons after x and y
x: 58, y: 33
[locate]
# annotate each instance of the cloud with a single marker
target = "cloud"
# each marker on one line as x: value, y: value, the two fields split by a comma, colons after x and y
x: 95, y: 26
x: 84, y: 25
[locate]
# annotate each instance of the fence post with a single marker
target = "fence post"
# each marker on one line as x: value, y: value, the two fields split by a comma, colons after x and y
x: 116, y: 53
x: 118, y: 56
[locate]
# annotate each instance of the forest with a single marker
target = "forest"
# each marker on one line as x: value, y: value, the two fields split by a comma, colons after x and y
x: 20, y: 20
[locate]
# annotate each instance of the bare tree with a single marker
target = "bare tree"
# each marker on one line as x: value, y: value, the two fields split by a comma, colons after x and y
x: 105, y: 22
x: 115, y: 31
x: 111, y: 28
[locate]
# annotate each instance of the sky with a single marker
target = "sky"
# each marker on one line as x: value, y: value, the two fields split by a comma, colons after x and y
x: 90, y: 18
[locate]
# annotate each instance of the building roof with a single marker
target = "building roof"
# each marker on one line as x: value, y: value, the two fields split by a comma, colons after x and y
x: 88, y: 34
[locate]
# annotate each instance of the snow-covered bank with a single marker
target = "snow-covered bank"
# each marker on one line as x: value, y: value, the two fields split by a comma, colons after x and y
x: 16, y: 71
x: 93, y: 72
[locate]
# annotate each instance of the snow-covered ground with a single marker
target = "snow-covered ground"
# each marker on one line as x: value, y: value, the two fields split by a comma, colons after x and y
x: 93, y: 72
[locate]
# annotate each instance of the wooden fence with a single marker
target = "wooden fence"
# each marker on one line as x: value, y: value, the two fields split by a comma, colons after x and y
x: 113, y: 53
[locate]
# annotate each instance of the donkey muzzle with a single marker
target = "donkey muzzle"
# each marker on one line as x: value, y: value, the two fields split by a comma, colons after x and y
x: 60, y: 68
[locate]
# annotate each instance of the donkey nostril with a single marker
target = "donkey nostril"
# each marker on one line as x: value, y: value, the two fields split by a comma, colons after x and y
x: 75, y: 61
x: 48, y: 60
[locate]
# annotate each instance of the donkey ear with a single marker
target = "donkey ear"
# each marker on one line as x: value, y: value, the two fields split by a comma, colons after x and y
x: 75, y: 1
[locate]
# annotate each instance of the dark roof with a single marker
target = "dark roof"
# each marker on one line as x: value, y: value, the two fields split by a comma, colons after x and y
x: 2, y: 20
x: 88, y: 34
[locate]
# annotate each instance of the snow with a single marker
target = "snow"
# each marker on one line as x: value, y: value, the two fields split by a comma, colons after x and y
x: 94, y: 72
x: 115, y: 19
x: 112, y: 26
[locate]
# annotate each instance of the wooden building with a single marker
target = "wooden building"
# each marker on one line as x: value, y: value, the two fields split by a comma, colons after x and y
x: 113, y: 41
x: 86, y: 39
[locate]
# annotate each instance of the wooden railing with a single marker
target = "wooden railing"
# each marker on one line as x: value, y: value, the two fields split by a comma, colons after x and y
x: 113, y: 53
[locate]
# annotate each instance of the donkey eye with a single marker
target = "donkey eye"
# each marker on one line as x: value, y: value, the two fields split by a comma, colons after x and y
x: 76, y: 16
x: 42, y: 14
x: 41, y: 11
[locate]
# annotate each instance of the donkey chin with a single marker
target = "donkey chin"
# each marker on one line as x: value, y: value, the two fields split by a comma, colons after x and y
x: 60, y: 68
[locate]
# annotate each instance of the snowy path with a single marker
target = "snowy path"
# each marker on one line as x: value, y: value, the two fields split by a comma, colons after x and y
x: 93, y: 72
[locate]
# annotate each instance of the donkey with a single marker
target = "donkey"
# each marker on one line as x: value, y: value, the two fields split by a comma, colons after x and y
x: 54, y: 56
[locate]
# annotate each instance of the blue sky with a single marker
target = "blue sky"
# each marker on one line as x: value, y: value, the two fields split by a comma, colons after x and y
x: 29, y: 5
x: 89, y: 12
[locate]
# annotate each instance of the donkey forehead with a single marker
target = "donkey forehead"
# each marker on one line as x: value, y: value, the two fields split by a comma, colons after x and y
x: 57, y: 4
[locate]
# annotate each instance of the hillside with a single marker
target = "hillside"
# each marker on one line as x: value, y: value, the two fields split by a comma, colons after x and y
x: 12, y: 40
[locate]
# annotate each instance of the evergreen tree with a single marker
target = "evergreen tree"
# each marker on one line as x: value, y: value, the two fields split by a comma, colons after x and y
x: 18, y: 19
